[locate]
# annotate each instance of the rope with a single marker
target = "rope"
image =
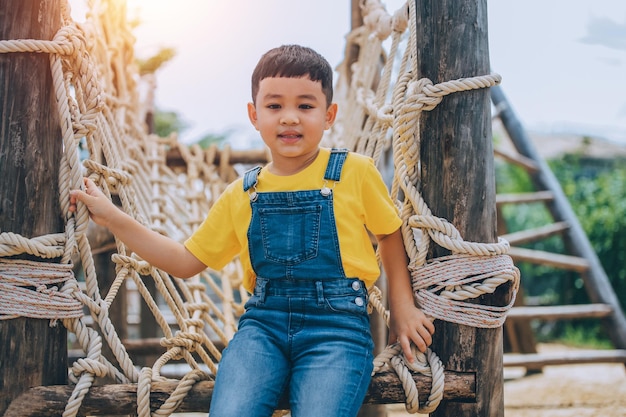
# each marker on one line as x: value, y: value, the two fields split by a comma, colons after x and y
x: 37, y: 290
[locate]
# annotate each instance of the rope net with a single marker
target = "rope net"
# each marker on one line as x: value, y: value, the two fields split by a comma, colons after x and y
x: 105, y: 137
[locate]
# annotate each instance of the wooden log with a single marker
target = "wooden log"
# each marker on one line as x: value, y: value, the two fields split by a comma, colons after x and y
x: 568, y: 262
x: 567, y: 357
x: 458, y: 180
x: 577, y: 311
x: 535, y: 234
x: 31, y: 351
x: 517, y: 159
x: 524, y: 198
x: 122, y: 398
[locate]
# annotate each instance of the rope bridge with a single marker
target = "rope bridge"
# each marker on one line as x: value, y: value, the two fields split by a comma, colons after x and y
x: 100, y: 109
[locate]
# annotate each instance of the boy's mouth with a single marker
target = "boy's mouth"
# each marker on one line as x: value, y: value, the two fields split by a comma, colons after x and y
x: 289, y: 135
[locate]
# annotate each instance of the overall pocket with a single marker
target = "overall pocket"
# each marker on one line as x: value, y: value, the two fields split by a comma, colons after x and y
x: 290, y: 235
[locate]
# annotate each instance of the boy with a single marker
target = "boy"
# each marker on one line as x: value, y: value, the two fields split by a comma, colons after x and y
x: 300, y: 227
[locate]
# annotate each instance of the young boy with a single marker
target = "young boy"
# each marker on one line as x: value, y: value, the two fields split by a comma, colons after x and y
x: 300, y: 227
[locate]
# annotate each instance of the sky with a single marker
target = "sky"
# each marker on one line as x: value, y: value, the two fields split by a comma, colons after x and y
x: 562, y: 62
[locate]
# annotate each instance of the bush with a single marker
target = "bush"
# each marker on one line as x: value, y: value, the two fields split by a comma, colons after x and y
x: 596, y: 190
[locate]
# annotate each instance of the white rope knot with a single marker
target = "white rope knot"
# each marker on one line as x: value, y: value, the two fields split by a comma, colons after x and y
x: 90, y: 366
x: 376, y: 18
x: 46, y: 246
x: 427, y: 364
x: 400, y: 20
x: 185, y: 340
x: 114, y: 177
x: 131, y: 264
x: 420, y: 97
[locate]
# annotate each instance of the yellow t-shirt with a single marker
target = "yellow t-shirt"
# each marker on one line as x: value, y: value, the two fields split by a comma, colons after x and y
x: 361, y: 202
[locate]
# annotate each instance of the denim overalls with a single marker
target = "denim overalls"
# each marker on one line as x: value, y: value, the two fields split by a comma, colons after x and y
x: 305, y: 331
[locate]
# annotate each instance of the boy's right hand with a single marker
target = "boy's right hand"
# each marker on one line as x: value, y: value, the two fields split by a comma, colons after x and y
x: 99, y: 206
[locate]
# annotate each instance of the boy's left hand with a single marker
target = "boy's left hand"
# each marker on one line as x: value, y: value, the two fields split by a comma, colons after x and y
x: 408, y: 324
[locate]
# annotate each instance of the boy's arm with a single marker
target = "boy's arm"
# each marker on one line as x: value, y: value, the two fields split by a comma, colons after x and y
x: 158, y: 250
x: 407, y: 323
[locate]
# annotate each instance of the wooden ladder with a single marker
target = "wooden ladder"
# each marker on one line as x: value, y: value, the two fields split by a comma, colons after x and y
x: 581, y: 259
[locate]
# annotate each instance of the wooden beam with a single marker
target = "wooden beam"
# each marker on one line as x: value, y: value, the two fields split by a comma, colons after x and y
x: 561, y: 312
x: 517, y: 159
x: 118, y: 399
x: 568, y: 262
x: 567, y: 357
x: 535, y: 234
x: 524, y: 198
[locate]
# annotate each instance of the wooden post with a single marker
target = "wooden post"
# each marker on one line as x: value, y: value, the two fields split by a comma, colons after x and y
x: 458, y: 180
x: 32, y: 353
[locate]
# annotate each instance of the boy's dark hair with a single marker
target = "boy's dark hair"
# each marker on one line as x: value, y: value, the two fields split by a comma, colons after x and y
x: 294, y: 61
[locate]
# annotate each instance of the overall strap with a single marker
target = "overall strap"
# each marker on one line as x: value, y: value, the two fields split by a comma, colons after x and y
x: 250, y: 177
x: 335, y: 164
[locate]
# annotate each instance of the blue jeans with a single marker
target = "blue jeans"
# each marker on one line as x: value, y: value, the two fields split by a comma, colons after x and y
x: 310, y: 339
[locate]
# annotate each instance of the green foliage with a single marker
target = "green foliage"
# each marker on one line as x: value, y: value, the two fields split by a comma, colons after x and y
x: 153, y: 63
x: 583, y: 336
x: 597, y: 193
x: 596, y: 190
x: 214, y: 139
x: 167, y: 122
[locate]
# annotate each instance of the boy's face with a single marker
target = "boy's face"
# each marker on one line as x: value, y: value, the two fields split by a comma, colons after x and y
x: 291, y: 114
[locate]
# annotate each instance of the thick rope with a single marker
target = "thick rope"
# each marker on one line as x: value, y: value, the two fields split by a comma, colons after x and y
x: 33, y: 289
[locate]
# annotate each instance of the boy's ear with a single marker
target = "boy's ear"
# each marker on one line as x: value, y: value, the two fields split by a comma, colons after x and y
x: 252, y: 115
x: 331, y: 114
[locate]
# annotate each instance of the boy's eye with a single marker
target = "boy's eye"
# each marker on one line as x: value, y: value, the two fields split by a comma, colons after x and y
x: 305, y: 106
x: 273, y: 106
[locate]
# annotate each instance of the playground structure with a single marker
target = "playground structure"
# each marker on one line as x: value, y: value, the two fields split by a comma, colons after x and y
x: 169, y: 186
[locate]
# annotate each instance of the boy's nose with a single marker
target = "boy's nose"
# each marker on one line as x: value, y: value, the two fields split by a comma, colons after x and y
x: 289, y: 118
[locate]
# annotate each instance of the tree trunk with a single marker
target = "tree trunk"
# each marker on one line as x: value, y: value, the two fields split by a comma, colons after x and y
x: 458, y: 180
x: 32, y: 353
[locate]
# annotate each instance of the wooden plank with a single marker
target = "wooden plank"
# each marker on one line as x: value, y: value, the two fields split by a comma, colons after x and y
x: 560, y: 312
x: 567, y: 357
x: 568, y: 262
x: 524, y: 198
x: 516, y: 159
x: 535, y: 234
x: 118, y: 399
